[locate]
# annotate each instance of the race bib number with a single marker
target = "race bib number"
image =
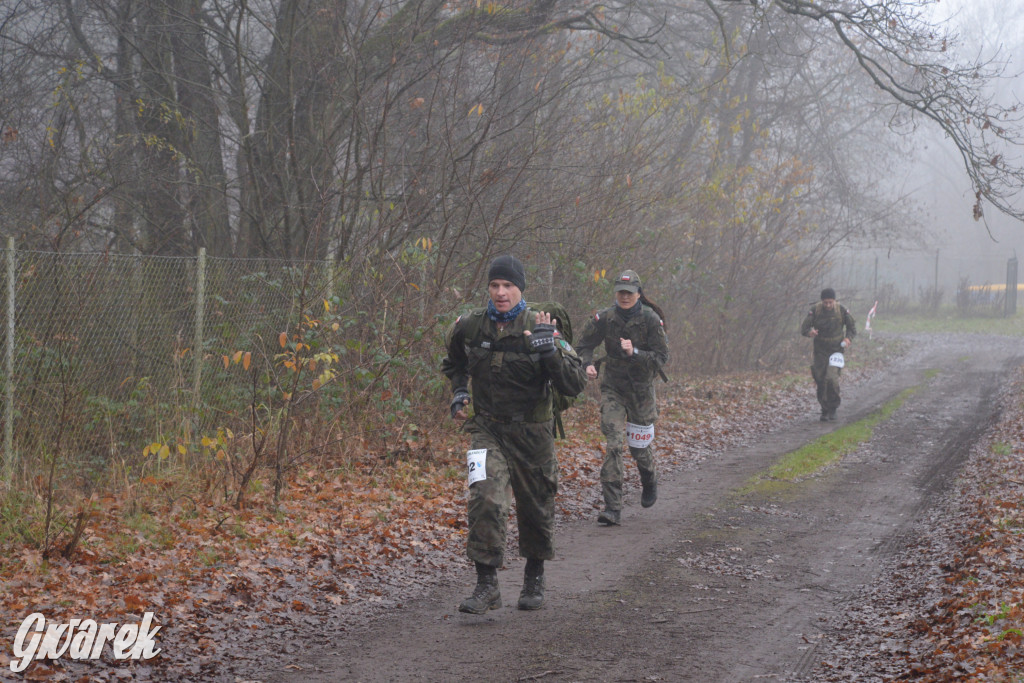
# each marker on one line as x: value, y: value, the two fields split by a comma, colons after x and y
x: 476, y: 462
x: 837, y: 360
x: 639, y: 436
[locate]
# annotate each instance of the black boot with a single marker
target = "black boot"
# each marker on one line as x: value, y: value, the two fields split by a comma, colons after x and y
x: 486, y: 594
x: 609, y: 517
x: 532, y: 595
x: 612, y: 492
x: 649, y: 494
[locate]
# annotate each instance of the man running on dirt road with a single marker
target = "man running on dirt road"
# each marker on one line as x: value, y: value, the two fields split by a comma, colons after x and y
x: 824, y: 323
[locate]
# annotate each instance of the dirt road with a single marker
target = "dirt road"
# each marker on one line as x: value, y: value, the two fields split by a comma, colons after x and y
x: 709, y: 585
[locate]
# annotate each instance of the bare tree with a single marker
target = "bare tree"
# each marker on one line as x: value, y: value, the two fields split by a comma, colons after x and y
x: 910, y: 58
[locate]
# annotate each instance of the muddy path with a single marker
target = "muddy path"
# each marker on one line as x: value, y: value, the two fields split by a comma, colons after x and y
x: 708, y: 585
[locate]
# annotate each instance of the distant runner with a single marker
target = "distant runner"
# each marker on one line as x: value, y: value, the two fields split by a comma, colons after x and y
x: 824, y: 323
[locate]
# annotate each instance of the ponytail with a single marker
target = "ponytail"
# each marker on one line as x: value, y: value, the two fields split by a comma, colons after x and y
x: 653, y: 306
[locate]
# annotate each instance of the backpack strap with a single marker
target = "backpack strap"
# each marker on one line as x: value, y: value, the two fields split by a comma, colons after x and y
x: 474, y: 325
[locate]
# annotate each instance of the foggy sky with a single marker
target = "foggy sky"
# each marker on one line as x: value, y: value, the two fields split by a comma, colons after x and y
x: 936, y: 180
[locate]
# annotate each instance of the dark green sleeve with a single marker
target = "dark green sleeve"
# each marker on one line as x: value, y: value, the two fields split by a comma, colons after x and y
x: 454, y: 365
x: 851, y: 326
x: 656, y: 356
x: 565, y: 370
x: 807, y: 324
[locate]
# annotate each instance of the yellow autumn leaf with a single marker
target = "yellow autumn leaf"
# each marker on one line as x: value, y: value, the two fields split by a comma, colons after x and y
x: 227, y: 362
x: 145, y: 451
x: 165, y: 452
x: 287, y: 395
x: 237, y: 358
x: 282, y: 339
x: 207, y: 442
x: 335, y: 327
x: 230, y: 434
x: 247, y: 360
x: 182, y: 450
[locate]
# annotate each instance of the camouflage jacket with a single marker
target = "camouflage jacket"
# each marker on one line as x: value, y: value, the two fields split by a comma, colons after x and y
x: 646, y: 331
x: 830, y: 325
x: 507, y: 381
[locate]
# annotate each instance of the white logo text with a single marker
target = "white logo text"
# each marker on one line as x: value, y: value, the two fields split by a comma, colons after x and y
x: 81, y: 639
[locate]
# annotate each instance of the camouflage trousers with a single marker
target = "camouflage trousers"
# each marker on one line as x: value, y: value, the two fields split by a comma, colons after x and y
x: 637, y: 405
x: 520, y: 462
x: 826, y: 377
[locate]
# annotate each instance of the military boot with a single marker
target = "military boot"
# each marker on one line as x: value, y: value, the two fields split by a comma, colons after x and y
x: 649, y: 481
x: 532, y: 595
x: 612, y: 491
x: 486, y: 594
x: 609, y: 517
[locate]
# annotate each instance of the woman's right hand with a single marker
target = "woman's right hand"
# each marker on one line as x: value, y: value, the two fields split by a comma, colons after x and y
x: 591, y: 372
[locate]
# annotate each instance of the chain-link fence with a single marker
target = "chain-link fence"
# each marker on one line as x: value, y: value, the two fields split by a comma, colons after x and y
x: 903, y: 280
x: 106, y: 353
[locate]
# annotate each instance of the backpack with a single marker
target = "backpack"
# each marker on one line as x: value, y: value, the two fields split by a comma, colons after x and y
x: 559, y: 401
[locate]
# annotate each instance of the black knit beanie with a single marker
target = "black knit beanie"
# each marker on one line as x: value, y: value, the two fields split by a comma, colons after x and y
x: 508, y: 268
x: 828, y: 293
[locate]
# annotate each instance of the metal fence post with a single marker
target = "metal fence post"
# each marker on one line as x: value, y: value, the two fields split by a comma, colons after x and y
x: 197, y: 348
x: 9, y: 367
x: 136, y: 303
x: 1011, y: 288
x: 329, y: 289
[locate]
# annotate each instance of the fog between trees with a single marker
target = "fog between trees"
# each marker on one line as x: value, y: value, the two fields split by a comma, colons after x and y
x: 722, y: 148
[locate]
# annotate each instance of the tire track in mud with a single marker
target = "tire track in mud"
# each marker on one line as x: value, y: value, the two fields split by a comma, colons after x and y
x: 950, y: 450
x: 708, y: 585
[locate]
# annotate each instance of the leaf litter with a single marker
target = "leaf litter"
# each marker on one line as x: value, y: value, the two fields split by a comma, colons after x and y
x: 240, y: 592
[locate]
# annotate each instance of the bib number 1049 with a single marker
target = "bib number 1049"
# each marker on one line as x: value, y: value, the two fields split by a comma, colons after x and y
x: 639, y: 436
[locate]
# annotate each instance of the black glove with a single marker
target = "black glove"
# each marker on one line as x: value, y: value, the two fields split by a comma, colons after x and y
x: 459, y: 401
x: 542, y: 340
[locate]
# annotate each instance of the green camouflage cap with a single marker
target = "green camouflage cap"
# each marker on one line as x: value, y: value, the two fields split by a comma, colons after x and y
x: 629, y: 281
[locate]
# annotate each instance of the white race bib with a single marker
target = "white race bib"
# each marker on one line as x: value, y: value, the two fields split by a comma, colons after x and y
x: 476, y: 461
x: 837, y: 360
x: 639, y: 436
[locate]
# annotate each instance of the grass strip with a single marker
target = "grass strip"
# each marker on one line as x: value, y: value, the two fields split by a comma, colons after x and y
x: 815, y: 456
x: 951, y: 321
